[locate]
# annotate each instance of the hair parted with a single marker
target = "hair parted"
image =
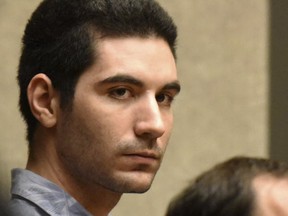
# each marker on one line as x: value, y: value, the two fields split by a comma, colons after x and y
x: 60, y: 40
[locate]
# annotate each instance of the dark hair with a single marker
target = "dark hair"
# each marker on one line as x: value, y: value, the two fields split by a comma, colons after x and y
x: 225, y: 190
x: 60, y: 40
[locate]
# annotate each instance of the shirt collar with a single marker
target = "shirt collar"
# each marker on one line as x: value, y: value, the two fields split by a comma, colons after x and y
x: 45, y: 194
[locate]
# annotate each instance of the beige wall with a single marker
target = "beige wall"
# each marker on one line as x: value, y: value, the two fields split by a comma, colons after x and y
x: 13, y: 17
x: 222, y: 109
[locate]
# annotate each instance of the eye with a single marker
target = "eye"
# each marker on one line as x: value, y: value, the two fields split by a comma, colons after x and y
x: 164, y: 99
x: 120, y: 93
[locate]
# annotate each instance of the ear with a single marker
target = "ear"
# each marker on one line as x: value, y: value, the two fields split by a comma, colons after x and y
x: 43, y: 100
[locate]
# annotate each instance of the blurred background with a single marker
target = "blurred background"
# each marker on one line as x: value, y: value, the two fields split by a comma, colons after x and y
x: 234, y: 101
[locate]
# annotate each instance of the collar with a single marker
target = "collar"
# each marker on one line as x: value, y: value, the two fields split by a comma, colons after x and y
x: 45, y: 194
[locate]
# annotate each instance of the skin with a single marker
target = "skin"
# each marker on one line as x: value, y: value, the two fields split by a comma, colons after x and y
x: 271, y: 196
x: 114, y: 138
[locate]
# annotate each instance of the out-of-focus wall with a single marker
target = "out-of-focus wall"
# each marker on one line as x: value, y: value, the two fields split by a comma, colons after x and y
x: 221, y: 111
x: 13, y: 149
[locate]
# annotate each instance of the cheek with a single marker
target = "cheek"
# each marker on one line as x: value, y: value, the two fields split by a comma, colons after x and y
x: 169, y: 122
x: 104, y: 127
x: 81, y: 137
x: 168, y: 130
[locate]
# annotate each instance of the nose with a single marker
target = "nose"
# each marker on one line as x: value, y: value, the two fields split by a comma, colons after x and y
x: 149, y: 121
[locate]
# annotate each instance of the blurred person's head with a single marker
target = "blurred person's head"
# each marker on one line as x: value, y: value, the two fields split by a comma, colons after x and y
x: 241, y: 186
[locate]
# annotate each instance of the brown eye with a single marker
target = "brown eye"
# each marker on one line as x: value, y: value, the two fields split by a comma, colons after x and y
x: 160, y: 98
x: 164, y: 99
x: 120, y: 93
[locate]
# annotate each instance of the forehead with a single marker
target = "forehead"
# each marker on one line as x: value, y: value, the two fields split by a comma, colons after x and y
x: 134, y: 44
x: 149, y: 59
x: 271, y: 195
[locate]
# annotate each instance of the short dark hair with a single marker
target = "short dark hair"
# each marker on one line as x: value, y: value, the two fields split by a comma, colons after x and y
x: 60, y: 40
x: 225, y: 190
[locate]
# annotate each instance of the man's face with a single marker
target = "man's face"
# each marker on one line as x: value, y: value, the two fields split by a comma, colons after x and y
x: 121, y: 120
x: 271, y: 196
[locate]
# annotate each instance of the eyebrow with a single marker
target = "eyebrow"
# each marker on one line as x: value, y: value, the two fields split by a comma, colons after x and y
x: 122, y: 79
x: 175, y: 85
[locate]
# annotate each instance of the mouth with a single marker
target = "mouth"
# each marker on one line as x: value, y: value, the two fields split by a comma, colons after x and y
x: 145, y: 157
x: 145, y: 154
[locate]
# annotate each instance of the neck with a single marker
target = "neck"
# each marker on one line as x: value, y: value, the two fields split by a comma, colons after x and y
x: 94, y: 198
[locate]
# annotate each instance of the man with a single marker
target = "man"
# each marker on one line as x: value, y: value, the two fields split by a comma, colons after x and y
x: 97, y: 79
x: 241, y: 186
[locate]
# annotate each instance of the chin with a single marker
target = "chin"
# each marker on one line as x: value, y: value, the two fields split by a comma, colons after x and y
x: 131, y: 182
x: 140, y: 185
x: 140, y: 189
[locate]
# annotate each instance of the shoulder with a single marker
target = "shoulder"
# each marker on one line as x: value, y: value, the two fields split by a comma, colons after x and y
x: 22, y: 207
